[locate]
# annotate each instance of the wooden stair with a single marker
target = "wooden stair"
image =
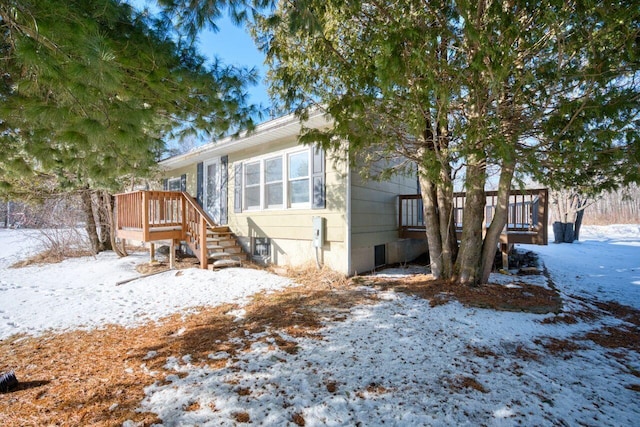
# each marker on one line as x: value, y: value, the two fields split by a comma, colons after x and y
x: 151, y: 216
x: 223, y: 249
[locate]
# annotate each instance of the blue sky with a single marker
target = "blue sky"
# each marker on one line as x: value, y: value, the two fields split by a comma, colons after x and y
x: 234, y: 46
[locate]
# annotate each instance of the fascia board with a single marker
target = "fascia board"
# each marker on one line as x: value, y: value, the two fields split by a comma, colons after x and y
x: 264, y: 133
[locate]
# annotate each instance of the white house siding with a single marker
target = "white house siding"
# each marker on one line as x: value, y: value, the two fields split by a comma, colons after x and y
x: 374, y: 209
x: 290, y: 230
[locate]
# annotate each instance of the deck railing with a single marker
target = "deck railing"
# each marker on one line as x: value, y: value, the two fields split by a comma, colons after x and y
x: 195, y: 228
x: 163, y: 215
x: 129, y: 210
x: 526, y: 223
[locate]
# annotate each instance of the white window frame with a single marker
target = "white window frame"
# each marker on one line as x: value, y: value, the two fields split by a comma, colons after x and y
x: 245, y: 186
x: 307, y: 203
x: 286, y: 202
x: 280, y: 181
x: 173, y: 181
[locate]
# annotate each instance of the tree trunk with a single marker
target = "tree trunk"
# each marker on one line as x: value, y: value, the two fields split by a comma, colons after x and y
x: 468, y: 266
x: 432, y: 225
x: 104, y: 206
x: 90, y: 222
x: 447, y: 226
x: 578, y: 224
x: 109, y: 206
x: 499, y: 220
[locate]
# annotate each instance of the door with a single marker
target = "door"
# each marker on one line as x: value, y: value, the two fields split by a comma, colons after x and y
x: 213, y: 189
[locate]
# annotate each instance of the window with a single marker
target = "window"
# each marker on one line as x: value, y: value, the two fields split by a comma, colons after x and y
x: 261, y: 247
x: 252, y: 185
x: 174, y: 184
x: 273, y: 191
x: 277, y: 182
x: 298, y: 178
x: 379, y: 255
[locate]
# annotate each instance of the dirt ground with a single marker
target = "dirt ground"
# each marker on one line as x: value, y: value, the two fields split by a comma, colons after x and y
x: 77, y: 377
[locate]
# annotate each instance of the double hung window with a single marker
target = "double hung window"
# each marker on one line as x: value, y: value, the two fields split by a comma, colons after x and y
x: 298, y: 179
x: 273, y: 189
x: 277, y: 182
x: 252, y: 185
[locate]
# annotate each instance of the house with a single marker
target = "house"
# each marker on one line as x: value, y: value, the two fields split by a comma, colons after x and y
x: 267, y: 197
x: 285, y: 203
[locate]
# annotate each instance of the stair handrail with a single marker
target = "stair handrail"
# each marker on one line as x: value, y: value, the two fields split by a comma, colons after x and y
x: 197, y: 240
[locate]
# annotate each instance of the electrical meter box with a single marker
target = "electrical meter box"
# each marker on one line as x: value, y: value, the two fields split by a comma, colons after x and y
x: 318, y: 231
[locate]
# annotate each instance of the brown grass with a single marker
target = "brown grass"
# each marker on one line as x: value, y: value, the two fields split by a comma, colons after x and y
x: 557, y: 347
x: 242, y: 417
x: 98, y: 377
x: 616, y: 337
x: 462, y: 382
x: 298, y: 419
x: 526, y: 297
x: 52, y: 256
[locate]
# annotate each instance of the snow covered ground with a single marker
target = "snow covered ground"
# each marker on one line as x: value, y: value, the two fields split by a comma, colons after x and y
x: 82, y: 292
x: 399, y: 362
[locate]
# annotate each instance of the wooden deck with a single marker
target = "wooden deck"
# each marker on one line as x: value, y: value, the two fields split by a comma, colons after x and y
x: 174, y: 216
x: 527, y: 221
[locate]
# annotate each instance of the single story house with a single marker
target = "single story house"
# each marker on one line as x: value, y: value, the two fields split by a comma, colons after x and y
x: 291, y: 204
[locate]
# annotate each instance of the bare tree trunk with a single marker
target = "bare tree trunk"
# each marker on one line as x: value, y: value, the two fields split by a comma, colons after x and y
x: 468, y: 265
x: 108, y: 204
x: 447, y: 227
x: 90, y: 222
x: 104, y: 206
x: 432, y: 225
x: 499, y: 220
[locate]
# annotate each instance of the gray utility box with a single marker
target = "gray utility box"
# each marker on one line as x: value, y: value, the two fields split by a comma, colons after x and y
x: 318, y: 231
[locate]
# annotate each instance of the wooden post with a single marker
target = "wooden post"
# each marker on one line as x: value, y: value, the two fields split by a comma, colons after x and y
x: 152, y: 253
x: 504, y: 248
x: 145, y: 216
x: 183, y: 216
x: 172, y: 254
x: 204, y: 255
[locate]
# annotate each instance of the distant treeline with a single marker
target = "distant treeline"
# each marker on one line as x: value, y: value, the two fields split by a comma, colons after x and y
x: 617, y: 207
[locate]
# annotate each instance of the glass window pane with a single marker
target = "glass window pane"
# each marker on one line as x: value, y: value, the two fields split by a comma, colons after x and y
x: 252, y: 174
x: 252, y: 197
x: 273, y: 169
x: 299, y: 165
x: 299, y: 191
x: 174, y: 184
x: 273, y: 194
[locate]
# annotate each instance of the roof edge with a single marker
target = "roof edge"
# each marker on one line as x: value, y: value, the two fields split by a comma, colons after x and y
x: 289, y: 123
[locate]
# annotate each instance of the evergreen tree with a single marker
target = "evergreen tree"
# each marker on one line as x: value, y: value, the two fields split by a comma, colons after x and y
x: 91, y: 90
x: 547, y: 88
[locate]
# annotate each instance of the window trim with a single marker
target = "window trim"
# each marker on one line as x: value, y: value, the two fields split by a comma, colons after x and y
x: 290, y: 180
x: 246, y: 186
x: 261, y: 243
x: 280, y: 205
x: 177, y: 179
x: 286, y: 203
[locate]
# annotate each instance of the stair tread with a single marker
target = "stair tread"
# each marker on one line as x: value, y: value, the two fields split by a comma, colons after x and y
x: 215, y: 241
x: 212, y: 247
x: 219, y: 234
x: 226, y: 263
x: 220, y: 255
x: 219, y: 230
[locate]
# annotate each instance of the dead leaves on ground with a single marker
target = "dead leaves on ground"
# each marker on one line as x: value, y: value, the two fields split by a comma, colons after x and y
x: 98, y: 377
